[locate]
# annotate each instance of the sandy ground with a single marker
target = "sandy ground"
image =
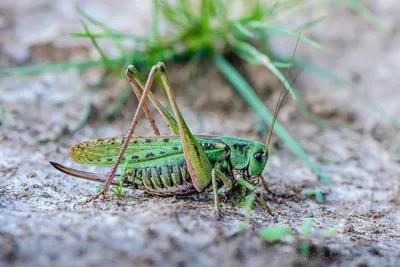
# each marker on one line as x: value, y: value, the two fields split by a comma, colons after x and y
x: 40, y: 227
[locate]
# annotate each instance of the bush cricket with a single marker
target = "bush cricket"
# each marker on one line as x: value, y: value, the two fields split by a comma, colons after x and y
x: 177, y: 164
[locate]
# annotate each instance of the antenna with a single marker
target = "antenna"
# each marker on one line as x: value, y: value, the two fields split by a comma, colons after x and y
x: 280, y: 99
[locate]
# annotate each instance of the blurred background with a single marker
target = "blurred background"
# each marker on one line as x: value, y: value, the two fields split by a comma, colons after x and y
x: 335, y: 159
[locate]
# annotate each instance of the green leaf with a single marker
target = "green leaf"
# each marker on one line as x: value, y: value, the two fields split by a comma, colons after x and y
x: 282, y: 65
x: 98, y: 188
x: 274, y: 233
x: 318, y: 193
x: 319, y: 196
x: 266, y: 26
x: 365, y: 12
x: 238, y: 229
x: 306, y: 227
x: 304, y: 248
x: 327, y: 233
x: 252, y: 55
x: 3, y: 115
x: 310, y: 23
x: 241, y: 85
x: 308, y: 191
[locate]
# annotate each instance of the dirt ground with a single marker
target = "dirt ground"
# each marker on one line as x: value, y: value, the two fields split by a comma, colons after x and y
x: 40, y: 227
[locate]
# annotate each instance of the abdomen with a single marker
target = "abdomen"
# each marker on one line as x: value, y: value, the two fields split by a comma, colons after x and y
x: 167, y: 180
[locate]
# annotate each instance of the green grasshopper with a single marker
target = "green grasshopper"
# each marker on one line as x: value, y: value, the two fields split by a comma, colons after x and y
x: 178, y: 164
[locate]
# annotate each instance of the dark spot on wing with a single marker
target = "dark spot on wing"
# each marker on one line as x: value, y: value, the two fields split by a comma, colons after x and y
x: 150, y: 155
x: 175, y: 148
x: 148, y: 141
x: 165, y: 140
x: 135, y: 157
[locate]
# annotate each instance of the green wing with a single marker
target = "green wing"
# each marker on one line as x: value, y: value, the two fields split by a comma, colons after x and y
x: 142, y: 152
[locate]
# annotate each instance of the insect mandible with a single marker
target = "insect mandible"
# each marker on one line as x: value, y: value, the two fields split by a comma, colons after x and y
x: 178, y: 164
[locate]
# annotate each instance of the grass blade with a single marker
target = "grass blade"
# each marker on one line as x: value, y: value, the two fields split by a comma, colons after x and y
x: 242, y: 31
x: 108, y: 35
x: 252, y: 55
x: 274, y: 233
x: 310, y: 23
x: 105, y: 28
x: 266, y: 26
x: 304, y: 248
x: 204, y: 15
x: 365, y: 12
x: 319, y: 196
x: 306, y: 227
x: 327, y: 233
x: 79, y: 64
x: 258, y: 106
x: 172, y: 14
x: 105, y: 59
x: 155, y: 25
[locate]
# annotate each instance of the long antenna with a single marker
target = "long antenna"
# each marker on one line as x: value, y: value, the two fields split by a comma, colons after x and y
x: 280, y: 99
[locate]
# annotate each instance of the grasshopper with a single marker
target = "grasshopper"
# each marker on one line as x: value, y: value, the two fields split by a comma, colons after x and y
x: 178, y: 164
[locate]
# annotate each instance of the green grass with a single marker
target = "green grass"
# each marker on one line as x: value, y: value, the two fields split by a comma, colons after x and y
x: 116, y: 190
x: 210, y: 31
x: 276, y: 233
x: 317, y: 193
x: 3, y: 116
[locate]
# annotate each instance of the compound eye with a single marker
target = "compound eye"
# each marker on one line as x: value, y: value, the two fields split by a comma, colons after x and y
x: 258, y: 156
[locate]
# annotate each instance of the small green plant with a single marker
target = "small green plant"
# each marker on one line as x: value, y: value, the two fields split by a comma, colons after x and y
x: 248, y: 203
x: 3, y: 115
x: 116, y: 190
x: 277, y: 233
x: 318, y: 193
